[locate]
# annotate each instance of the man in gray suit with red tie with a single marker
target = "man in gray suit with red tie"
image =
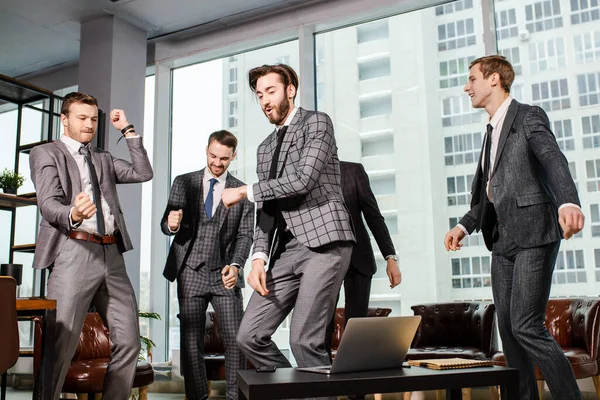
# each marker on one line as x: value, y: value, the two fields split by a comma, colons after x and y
x: 207, y: 255
x: 82, y: 237
x: 524, y: 201
x: 304, y: 230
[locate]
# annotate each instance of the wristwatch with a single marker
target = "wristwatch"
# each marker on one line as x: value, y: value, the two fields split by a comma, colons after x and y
x: 392, y: 256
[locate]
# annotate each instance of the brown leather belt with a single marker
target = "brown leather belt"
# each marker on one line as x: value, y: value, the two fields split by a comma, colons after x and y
x: 92, y: 237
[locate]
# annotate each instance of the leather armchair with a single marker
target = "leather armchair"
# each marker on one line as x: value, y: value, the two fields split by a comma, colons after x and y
x: 575, y: 325
x: 9, y: 330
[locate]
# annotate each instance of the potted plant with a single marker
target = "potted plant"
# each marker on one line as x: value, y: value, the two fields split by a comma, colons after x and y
x: 10, y: 181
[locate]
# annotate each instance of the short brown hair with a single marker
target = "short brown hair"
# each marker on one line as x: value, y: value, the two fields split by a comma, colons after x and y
x: 225, y: 138
x: 496, y: 64
x: 77, y: 98
x: 286, y: 73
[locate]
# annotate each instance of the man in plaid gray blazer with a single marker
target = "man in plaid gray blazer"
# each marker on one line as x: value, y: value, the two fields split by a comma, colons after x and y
x: 210, y: 248
x: 304, y: 230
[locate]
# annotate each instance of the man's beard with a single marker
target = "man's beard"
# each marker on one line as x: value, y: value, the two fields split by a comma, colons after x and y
x: 282, y: 110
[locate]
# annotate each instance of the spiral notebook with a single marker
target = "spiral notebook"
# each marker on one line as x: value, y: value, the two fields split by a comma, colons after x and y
x: 450, y: 363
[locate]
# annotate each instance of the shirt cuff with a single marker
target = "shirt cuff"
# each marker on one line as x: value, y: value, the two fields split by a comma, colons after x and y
x: 259, y: 255
x: 250, y: 193
x: 74, y: 225
x: 462, y: 228
x: 173, y: 231
x: 132, y: 137
x: 236, y: 265
x: 568, y: 205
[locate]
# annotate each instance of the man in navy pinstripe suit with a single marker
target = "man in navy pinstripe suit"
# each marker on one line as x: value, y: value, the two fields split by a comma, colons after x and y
x: 210, y: 248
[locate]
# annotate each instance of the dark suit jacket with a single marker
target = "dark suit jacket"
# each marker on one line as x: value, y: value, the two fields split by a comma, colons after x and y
x: 57, y: 182
x: 530, y: 180
x: 235, y: 224
x: 359, y: 198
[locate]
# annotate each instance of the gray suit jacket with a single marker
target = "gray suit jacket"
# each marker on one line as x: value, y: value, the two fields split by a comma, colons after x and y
x: 235, y: 224
x: 307, y: 188
x: 530, y: 180
x: 55, y: 175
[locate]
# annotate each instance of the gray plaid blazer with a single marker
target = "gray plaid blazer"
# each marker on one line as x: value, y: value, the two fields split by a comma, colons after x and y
x: 307, y: 188
x: 55, y: 175
x: 235, y: 224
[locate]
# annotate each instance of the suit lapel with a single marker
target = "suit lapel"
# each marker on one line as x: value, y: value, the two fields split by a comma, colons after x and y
x: 199, y: 183
x: 72, y: 168
x: 289, y: 139
x: 511, y: 113
x: 224, y: 211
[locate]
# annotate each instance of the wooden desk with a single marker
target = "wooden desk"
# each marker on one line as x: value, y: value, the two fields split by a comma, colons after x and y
x: 28, y: 307
x: 287, y: 383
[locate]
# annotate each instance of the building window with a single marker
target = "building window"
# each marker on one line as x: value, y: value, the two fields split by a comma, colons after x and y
x: 474, y: 239
x: 569, y: 267
x: 376, y: 106
x: 513, y: 55
x: 587, y: 47
x: 564, y: 135
x: 471, y: 272
x: 595, y: 217
x: 547, y: 55
x: 233, y: 120
x: 459, y: 189
x: 372, y: 31
x: 383, y: 185
x: 454, y: 6
x: 592, y: 168
x: 591, y: 131
x: 456, y: 34
x: 552, y: 95
x: 455, y: 72
x: 457, y: 110
x: 597, y: 262
x: 584, y: 11
x: 233, y: 80
x: 379, y: 146
x: 589, y: 91
x: 391, y: 221
x: 282, y: 60
x: 573, y: 171
x: 462, y: 149
x: 375, y: 68
x: 543, y: 15
x: 506, y: 24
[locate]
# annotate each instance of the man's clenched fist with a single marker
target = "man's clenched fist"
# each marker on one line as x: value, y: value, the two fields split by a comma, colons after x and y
x: 174, y: 219
x: 84, y: 208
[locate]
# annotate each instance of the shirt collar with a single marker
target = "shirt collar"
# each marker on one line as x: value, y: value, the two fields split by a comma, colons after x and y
x: 72, y: 144
x: 501, y: 112
x: 208, y: 176
x: 289, y: 119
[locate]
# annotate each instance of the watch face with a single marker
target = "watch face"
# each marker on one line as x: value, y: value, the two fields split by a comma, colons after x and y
x: 395, y: 258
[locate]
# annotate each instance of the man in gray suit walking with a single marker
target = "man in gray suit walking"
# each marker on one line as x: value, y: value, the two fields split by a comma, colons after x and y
x: 208, y: 253
x: 304, y: 230
x: 524, y: 201
x: 82, y: 237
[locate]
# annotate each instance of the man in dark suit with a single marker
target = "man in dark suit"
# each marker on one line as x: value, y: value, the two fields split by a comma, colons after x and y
x: 301, y: 208
x: 523, y: 197
x: 208, y: 253
x: 82, y: 235
x: 360, y: 200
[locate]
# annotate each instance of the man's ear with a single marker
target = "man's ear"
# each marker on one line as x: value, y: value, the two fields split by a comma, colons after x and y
x: 64, y: 120
x: 291, y: 91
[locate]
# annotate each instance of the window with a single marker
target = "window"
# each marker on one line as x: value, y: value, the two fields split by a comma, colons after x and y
x: 573, y: 171
x: 569, y: 267
x: 597, y: 262
x: 383, y: 185
x: 591, y: 131
x: 471, y: 272
x: 462, y: 149
x: 552, y: 95
x: 379, y: 146
x: 453, y: 7
x: 584, y: 11
x: 455, y: 72
x: 282, y: 60
x: 372, y: 69
x: 456, y: 34
x: 592, y: 168
x: 587, y: 47
x: 564, y: 134
x: 459, y: 190
x: 589, y: 91
x: 543, y: 15
x: 376, y: 105
x: 233, y: 121
x: 595, y: 218
x: 233, y: 80
x: 547, y: 55
x: 506, y: 24
x: 457, y: 110
x: 512, y: 54
x: 474, y: 239
x: 372, y: 31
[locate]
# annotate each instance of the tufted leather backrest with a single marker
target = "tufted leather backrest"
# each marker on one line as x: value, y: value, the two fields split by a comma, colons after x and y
x: 340, y: 325
x: 94, y: 341
x: 575, y: 322
x: 458, y: 324
x: 9, y: 331
x: 213, y: 344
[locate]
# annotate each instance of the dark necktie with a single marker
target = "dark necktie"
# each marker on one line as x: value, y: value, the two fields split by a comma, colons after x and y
x: 483, y: 198
x: 85, y: 151
x: 208, y: 203
x: 266, y: 220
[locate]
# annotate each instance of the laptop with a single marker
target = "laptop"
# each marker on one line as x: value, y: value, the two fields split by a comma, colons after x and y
x: 372, y: 343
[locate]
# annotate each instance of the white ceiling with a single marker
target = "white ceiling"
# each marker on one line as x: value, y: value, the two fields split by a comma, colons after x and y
x: 40, y: 34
